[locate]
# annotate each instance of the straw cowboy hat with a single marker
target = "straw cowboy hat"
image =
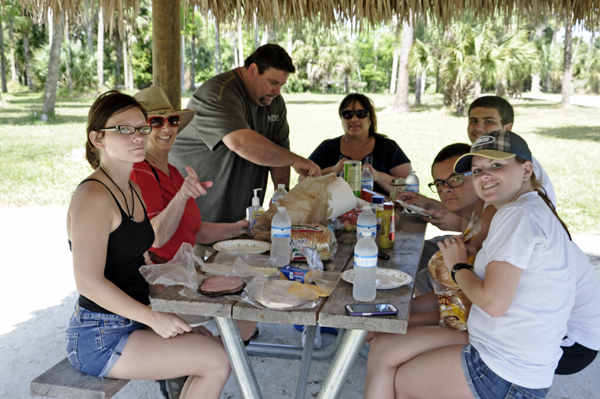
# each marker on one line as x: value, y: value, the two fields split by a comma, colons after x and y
x: 156, y: 103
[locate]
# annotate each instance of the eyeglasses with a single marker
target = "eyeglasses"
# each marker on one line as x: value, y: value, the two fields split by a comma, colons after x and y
x: 159, y: 121
x: 360, y: 114
x: 129, y: 130
x: 453, y: 182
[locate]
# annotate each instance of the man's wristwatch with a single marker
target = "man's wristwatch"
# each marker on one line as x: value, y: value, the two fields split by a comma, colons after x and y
x: 458, y: 267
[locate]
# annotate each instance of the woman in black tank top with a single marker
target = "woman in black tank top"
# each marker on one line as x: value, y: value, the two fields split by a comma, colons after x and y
x: 109, y: 234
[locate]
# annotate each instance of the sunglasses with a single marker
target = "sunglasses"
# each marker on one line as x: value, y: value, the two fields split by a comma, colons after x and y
x: 159, y: 121
x: 129, y: 130
x: 360, y: 114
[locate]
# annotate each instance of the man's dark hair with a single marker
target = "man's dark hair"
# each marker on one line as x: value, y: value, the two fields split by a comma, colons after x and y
x: 451, y: 151
x: 270, y: 56
x: 507, y: 114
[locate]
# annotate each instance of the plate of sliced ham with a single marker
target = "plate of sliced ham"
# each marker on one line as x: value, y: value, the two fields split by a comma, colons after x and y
x: 216, y: 286
x: 243, y: 246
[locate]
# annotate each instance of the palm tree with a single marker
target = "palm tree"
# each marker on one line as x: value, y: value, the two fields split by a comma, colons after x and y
x: 401, y: 102
x: 53, y: 67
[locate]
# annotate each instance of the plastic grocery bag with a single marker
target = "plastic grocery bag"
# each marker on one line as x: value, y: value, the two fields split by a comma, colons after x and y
x: 179, y: 271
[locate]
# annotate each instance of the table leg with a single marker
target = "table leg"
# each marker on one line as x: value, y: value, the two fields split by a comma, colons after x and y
x: 342, y: 363
x: 238, y: 358
x: 309, y: 343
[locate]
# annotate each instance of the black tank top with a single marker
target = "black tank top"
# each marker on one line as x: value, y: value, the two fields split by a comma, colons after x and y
x: 124, y: 256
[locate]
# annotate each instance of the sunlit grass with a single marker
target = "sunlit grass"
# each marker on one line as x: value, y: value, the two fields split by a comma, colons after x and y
x: 41, y: 163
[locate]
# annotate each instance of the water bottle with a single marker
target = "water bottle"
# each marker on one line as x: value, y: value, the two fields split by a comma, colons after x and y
x: 365, y: 267
x: 412, y: 182
x: 366, y: 224
x: 366, y: 179
x: 279, y: 193
x: 281, y: 235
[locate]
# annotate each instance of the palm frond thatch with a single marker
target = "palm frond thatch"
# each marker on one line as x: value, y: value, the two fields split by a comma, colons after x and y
x: 329, y: 11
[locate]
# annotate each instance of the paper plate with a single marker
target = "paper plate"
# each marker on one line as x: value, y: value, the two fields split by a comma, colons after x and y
x: 243, y: 246
x: 386, y: 279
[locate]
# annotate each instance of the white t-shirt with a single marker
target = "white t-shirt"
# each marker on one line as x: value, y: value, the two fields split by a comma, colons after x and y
x: 544, y: 180
x: 523, y: 345
x: 584, y: 324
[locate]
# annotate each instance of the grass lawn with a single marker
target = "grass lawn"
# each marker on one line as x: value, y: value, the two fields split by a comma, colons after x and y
x: 42, y: 163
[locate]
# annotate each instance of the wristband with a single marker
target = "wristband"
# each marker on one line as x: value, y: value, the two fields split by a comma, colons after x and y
x: 459, y: 266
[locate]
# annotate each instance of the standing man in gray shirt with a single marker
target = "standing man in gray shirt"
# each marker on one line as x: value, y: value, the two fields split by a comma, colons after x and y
x: 239, y: 133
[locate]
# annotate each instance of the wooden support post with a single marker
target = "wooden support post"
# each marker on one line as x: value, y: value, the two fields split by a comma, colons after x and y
x: 166, y: 48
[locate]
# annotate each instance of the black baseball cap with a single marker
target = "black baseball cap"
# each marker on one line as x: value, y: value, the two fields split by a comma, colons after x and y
x: 500, y: 144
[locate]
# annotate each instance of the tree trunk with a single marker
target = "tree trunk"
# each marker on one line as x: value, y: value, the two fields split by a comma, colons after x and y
x: 567, y: 84
x: 2, y: 60
x: 119, y: 81
x: 396, y: 55
x: 346, y: 84
x: 265, y: 37
x: 129, y: 75
x: 536, y: 87
x: 90, y: 28
x: 217, y: 49
x: 53, y: 69
x: 100, y: 50
x: 256, y: 42
x: 193, y: 62
x: 418, y: 89
x: 394, y: 69
x: 182, y: 62
x: 28, y: 73
x: 240, y: 40
x: 401, y: 103
x: 290, y: 41
x: 13, y: 58
x: 501, y: 87
x: 375, y: 45
x: 236, y: 59
x: 125, y: 62
x: 166, y: 48
x: 68, y: 63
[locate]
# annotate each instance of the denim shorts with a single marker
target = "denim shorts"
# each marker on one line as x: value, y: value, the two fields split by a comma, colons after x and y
x: 94, y: 341
x: 485, y: 384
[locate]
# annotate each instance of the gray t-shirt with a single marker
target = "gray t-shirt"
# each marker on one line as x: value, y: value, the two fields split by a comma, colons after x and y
x: 223, y: 106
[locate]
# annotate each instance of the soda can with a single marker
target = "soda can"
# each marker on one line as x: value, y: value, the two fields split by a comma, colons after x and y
x: 352, y: 174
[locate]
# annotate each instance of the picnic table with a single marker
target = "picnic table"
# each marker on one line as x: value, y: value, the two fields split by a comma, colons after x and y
x: 329, y: 312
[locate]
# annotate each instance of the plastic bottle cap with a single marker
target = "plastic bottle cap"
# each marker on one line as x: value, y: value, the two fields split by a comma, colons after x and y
x: 388, y: 205
x: 281, y: 209
x: 367, y: 208
x: 377, y: 199
x: 280, y: 185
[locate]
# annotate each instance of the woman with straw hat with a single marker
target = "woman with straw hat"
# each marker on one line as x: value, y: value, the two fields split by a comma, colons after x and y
x: 522, y: 286
x: 113, y: 332
x: 170, y: 197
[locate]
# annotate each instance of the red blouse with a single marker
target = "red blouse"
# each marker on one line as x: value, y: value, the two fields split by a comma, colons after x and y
x: 157, y: 194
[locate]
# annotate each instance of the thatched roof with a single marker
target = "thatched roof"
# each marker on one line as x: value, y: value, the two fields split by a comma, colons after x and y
x: 360, y: 11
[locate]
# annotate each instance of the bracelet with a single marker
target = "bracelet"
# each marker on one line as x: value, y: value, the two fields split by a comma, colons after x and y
x: 459, y: 266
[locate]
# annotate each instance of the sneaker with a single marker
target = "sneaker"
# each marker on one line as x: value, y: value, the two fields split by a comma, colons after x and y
x: 171, y: 389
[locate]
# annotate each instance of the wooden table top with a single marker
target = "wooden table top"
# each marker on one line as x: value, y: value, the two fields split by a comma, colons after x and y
x: 405, y: 256
x: 329, y: 311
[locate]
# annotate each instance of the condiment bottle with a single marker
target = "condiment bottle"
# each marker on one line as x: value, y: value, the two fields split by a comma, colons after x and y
x: 387, y: 238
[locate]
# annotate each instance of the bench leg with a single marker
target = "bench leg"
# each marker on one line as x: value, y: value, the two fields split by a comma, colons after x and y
x: 342, y: 363
x: 238, y: 358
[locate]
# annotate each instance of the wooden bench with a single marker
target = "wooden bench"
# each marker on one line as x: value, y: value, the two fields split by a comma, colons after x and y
x: 63, y: 381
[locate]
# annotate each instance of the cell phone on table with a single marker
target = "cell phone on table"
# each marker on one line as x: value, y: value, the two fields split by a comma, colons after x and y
x: 375, y: 309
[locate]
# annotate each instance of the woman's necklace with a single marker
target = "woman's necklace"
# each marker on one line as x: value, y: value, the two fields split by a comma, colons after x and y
x: 123, y: 194
x: 350, y: 150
